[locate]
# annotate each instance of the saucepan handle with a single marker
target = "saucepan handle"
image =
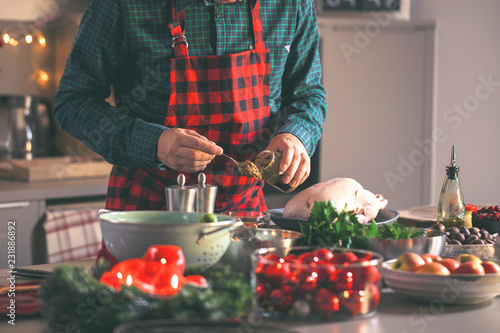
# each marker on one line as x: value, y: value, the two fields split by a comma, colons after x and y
x: 201, y: 239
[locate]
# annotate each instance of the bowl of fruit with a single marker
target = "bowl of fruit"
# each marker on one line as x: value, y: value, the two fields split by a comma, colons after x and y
x: 316, y: 284
x: 487, y: 218
x: 465, y: 279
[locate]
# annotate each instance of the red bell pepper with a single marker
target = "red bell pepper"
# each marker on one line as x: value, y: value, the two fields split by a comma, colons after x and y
x: 160, y: 272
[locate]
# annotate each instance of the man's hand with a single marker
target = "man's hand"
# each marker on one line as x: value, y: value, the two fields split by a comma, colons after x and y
x: 295, y: 162
x: 185, y: 150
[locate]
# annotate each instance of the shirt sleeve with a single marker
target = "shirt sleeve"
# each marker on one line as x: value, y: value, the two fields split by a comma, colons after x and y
x: 303, y: 108
x: 99, y: 52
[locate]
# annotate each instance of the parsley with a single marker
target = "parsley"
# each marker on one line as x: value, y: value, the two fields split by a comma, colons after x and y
x: 320, y: 231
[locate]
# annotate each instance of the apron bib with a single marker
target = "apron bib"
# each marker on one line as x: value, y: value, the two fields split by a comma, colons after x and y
x: 224, y: 98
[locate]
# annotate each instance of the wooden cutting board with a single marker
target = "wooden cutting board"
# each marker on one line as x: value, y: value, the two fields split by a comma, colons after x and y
x: 421, y: 217
x: 53, y: 168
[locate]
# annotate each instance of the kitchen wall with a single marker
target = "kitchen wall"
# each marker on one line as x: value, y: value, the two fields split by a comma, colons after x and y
x: 467, y: 92
x: 465, y: 108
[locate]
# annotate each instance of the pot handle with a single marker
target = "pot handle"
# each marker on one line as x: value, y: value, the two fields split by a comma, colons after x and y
x: 201, y: 239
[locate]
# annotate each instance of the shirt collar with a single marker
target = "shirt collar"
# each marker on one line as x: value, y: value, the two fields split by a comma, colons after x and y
x: 182, y: 4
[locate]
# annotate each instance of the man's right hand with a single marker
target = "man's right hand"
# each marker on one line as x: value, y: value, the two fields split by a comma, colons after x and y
x: 185, y: 150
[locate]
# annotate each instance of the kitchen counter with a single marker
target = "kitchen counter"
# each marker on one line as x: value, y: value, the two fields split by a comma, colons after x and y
x: 395, y: 315
x: 11, y: 190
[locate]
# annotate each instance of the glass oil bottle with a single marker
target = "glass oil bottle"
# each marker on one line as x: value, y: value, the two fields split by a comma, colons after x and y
x: 451, y: 207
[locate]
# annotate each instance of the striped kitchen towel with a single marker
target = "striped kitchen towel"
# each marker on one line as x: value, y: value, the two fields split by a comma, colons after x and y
x: 72, y: 234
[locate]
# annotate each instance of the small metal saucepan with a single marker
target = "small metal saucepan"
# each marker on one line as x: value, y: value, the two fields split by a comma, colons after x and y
x: 241, y: 245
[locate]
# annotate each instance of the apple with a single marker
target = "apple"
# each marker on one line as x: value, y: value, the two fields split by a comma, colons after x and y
x: 464, y: 257
x: 408, y: 261
x: 429, y: 257
x: 490, y: 267
x: 470, y: 267
x: 450, y: 263
x: 432, y: 268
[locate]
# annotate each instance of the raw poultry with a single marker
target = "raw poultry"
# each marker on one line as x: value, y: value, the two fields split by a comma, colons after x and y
x: 342, y: 191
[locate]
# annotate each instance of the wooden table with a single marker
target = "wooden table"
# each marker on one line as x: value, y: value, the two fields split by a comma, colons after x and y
x: 395, y: 315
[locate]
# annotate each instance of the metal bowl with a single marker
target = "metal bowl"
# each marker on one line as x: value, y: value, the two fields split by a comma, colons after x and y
x: 129, y: 234
x: 245, y: 241
x: 393, y: 248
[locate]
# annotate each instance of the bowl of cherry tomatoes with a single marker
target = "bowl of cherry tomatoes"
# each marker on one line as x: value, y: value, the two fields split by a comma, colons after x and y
x: 316, y: 284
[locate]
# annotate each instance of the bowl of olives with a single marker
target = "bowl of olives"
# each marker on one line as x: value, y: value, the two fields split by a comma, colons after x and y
x: 467, y: 240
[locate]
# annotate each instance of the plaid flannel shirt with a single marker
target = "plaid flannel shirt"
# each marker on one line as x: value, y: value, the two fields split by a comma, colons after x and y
x: 126, y: 45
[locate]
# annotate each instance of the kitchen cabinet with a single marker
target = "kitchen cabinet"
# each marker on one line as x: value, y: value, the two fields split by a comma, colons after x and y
x: 379, y: 78
x: 25, y: 203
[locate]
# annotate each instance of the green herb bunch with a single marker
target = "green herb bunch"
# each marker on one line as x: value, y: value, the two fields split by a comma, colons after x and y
x: 327, y: 227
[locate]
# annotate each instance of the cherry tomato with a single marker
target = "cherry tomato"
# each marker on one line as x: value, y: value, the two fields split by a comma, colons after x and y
x: 263, y: 293
x: 343, y: 258
x: 293, y: 260
x: 272, y: 257
x: 308, y: 258
x: 371, y: 274
x: 367, y: 255
x: 354, y: 302
x: 323, y: 254
x: 325, y: 271
x: 307, y: 281
x: 277, y: 274
x: 282, y: 299
x: 326, y: 302
x: 344, y: 279
x: 373, y: 295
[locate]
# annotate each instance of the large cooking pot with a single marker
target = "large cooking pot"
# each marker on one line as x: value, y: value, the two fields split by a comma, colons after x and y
x: 27, y: 127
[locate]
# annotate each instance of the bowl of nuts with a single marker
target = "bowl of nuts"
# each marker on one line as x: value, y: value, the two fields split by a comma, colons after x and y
x: 467, y: 240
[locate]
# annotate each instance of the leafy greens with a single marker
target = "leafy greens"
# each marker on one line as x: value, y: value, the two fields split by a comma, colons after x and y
x: 319, y: 229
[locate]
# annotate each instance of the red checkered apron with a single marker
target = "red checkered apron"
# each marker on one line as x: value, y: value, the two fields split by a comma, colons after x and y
x: 226, y: 99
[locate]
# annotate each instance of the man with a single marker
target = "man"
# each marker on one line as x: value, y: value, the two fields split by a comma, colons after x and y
x: 193, y: 79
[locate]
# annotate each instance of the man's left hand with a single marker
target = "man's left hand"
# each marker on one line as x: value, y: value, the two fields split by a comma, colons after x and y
x: 295, y: 162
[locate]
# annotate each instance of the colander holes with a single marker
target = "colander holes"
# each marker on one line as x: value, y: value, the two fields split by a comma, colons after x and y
x: 204, y: 253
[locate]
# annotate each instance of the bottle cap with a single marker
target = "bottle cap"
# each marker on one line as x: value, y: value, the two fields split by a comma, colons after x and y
x: 452, y: 169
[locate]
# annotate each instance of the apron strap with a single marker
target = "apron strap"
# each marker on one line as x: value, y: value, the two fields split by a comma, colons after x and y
x: 257, y: 27
x: 179, y: 42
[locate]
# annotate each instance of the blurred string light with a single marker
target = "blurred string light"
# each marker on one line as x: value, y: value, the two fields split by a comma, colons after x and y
x: 13, y: 38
